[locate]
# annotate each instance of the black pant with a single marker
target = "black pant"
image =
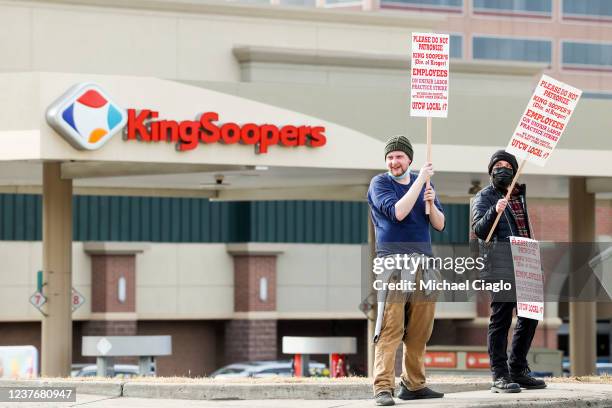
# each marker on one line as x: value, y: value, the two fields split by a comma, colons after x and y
x: 499, y: 325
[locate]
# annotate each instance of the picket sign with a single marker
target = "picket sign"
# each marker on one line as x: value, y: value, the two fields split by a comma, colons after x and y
x: 541, y: 126
x: 543, y: 122
x: 528, y: 277
x: 429, y: 81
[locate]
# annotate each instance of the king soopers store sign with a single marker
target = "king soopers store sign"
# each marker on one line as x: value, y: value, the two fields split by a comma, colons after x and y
x: 88, y: 118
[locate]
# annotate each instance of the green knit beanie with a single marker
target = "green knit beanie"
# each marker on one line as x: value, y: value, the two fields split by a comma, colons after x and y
x: 400, y: 143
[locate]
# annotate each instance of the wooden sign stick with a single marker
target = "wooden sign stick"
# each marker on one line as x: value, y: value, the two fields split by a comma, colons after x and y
x: 516, y: 176
x: 428, y: 203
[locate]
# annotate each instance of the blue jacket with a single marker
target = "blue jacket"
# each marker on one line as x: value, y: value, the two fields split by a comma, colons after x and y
x: 407, y: 236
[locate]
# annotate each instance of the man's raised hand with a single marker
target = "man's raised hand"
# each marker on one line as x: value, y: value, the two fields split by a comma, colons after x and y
x: 427, y: 171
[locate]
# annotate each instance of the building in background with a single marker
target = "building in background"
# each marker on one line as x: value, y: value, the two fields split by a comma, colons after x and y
x: 573, y: 37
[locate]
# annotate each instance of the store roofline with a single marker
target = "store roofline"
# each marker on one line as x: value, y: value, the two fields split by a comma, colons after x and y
x: 282, y: 55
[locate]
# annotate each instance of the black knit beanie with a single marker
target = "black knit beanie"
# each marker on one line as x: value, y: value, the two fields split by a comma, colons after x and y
x: 503, y: 155
x: 400, y: 143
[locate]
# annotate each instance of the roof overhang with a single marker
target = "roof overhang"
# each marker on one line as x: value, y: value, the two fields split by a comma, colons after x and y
x: 341, y: 169
x: 27, y: 136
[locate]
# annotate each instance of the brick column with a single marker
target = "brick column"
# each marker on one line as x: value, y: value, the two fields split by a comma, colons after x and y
x: 250, y: 340
x: 113, y: 289
x: 249, y: 290
x: 252, y: 334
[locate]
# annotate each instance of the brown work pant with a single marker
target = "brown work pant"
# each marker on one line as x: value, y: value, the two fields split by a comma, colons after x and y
x: 418, y: 318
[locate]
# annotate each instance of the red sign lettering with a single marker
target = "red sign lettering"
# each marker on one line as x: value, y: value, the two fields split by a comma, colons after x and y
x: 144, y: 126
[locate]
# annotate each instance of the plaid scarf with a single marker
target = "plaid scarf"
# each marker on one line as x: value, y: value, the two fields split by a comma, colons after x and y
x: 518, y: 211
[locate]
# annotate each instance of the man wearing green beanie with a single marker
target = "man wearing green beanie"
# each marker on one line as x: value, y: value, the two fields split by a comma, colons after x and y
x: 397, y: 201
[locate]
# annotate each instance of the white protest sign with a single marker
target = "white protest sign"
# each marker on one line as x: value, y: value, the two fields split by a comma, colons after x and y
x: 429, y: 75
x: 529, y: 278
x: 544, y: 120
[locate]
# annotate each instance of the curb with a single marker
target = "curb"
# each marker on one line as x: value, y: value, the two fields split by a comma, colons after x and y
x: 318, y: 391
x: 248, y: 391
x: 321, y: 391
x: 106, y: 388
x: 303, y: 391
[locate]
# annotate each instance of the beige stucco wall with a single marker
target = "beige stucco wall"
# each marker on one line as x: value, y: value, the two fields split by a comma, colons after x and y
x: 184, y: 281
x: 320, y: 279
x: 20, y: 262
x: 190, y: 45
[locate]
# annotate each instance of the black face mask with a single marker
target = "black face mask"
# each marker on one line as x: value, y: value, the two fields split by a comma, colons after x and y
x: 502, y: 177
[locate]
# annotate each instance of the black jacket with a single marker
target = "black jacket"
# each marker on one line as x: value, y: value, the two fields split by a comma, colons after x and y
x: 499, y: 262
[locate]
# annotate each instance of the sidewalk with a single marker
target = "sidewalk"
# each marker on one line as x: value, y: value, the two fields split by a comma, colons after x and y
x: 317, y: 393
x: 556, y: 395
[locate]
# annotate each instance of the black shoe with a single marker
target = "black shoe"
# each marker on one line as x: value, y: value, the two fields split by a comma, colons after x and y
x: 424, y: 393
x: 504, y: 384
x: 526, y: 381
x: 384, y: 398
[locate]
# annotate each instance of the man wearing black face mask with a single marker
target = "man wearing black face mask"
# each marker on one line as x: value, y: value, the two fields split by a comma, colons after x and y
x: 509, y: 375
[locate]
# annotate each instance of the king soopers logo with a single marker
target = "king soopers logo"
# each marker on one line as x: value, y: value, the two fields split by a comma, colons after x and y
x: 86, y: 117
